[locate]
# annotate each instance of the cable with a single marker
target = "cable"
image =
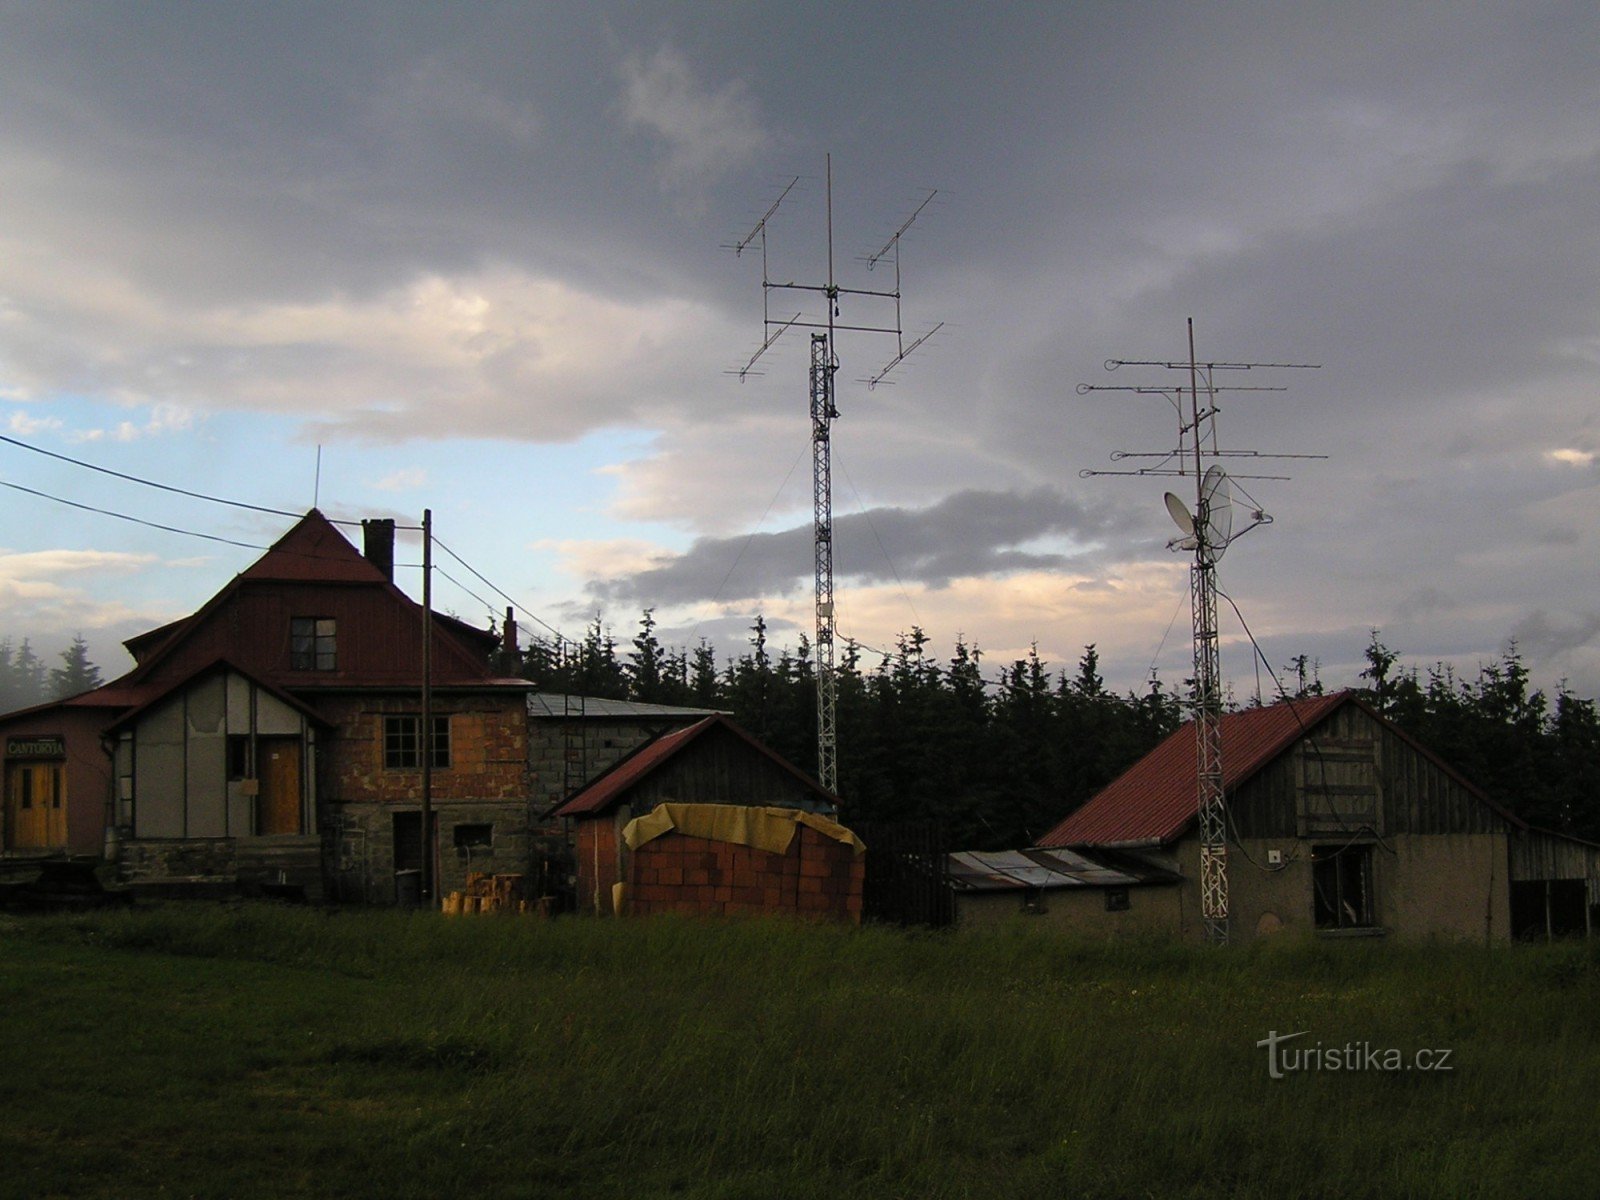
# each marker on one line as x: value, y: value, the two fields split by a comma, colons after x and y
x: 165, y: 487
x: 738, y: 558
x: 843, y: 470
x: 517, y: 604
x: 106, y: 512
x: 1322, y: 765
x: 489, y: 608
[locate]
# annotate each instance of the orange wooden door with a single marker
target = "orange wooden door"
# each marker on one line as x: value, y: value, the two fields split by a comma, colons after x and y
x: 279, y: 803
x: 36, y: 806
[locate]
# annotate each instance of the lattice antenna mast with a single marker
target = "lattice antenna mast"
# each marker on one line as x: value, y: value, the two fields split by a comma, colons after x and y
x: 824, y: 369
x: 1208, y: 531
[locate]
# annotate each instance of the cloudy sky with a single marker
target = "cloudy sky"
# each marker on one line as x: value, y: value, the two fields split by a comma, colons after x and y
x: 475, y: 253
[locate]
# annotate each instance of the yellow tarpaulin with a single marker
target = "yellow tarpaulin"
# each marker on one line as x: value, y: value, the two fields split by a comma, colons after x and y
x: 765, y: 828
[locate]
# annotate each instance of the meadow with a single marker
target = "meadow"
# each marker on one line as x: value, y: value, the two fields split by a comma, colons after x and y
x: 248, y: 1050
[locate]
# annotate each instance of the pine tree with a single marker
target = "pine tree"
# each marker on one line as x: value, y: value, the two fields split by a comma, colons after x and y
x: 76, y: 674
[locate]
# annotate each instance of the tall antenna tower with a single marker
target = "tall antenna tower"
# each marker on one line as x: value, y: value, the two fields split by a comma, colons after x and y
x: 1207, y: 531
x: 824, y: 367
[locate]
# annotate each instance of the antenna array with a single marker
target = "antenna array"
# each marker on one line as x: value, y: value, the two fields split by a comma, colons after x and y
x: 1208, y: 531
x: 824, y: 368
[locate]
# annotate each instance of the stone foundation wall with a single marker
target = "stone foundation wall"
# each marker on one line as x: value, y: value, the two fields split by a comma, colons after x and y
x: 361, y: 837
x: 247, y: 863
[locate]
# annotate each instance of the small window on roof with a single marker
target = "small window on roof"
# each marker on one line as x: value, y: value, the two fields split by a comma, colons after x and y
x: 313, y: 644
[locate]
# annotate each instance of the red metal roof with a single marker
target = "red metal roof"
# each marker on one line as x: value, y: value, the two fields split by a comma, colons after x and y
x: 610, y: 786
x: 314, y: 551
x: 1155, y: 800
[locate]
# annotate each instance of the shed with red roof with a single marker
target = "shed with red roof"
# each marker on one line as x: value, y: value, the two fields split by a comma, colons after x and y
x: 1340, y: 824
x: 707, y: 820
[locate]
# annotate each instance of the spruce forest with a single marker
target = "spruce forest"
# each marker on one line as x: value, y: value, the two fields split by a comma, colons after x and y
x: 1000, y: 756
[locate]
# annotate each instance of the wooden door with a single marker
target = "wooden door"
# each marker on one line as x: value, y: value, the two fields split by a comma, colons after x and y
x: 278, y: 806
x: 36, y: 806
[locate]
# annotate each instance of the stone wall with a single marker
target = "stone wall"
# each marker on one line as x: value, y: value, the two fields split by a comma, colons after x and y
x: 362, y: 864
x: 244, y: 863
x: 594, y: 745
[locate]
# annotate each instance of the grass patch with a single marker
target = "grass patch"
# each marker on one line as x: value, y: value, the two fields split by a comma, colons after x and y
x: 251, y: 1050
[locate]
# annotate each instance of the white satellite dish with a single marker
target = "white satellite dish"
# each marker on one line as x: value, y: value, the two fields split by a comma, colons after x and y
x: 1180, y: 515
x: 1179, y: 512
x: 1218, y: 496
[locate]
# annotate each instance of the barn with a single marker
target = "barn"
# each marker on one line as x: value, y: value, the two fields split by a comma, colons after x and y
x: 1340, y: 825
x: 707, y: 820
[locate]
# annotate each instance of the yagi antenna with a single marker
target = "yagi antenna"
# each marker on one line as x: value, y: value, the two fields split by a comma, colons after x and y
x: 824, y: 369
x: 1207, y: 531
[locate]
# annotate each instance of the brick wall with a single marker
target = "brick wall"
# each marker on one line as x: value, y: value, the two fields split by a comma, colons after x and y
x: 488, y: 750
x: 817, y: 877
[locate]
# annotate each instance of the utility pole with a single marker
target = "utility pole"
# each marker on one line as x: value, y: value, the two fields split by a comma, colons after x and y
x: 1207, y: 530
x: 824, y: 369
x: 425, y: 734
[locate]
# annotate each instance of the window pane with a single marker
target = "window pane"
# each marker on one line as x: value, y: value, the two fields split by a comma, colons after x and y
x: 312, y: 644
x: 441, y: 741
x: 400, y: 743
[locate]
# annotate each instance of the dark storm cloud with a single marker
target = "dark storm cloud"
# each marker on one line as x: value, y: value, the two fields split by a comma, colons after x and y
x: 970, y: 533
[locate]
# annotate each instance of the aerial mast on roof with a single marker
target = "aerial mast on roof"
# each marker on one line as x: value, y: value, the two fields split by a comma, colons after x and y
x: 1207, y: 531
x: 824, y: 367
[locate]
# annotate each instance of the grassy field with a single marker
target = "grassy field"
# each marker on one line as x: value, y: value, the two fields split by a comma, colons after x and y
x: 230, y: 1051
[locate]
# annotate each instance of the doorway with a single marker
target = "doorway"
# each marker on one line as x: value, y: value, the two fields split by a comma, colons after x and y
x: 36, y: 806
x: 279, y: 806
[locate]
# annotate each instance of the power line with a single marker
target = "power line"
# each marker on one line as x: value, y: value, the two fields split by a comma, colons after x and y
x: 167, y: 487
x: 517, y: 604
x: 106, y: 512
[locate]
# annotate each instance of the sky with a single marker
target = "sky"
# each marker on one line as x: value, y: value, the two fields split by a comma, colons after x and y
x: 474, y: 259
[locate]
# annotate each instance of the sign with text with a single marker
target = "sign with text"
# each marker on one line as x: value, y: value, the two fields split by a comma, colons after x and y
x: 51, y: 745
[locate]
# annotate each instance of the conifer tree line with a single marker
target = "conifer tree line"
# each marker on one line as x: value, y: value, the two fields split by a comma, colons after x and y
x: 1001, y: 756
x: 26, y: 680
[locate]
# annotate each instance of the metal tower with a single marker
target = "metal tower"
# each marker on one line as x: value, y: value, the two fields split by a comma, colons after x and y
x: 824, y: 367
x: 1207, y: 531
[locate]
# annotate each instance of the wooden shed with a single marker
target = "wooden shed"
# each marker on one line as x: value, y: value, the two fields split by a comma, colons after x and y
x: 1340, y: 824
x: 707, y: 820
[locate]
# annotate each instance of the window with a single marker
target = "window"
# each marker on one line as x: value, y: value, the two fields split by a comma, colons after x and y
x: 474, y: 837
x: 238, y: 756
x: 1341, y: 884
x: 1117, y: 899
x: 312, y: 644
x: 402, y: 742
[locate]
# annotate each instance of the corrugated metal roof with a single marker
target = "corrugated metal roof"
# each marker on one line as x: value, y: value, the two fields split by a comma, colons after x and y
x: 554, y: 704
x: 1015, y: 870
x: 1155, y: 799
x: 608, y: 788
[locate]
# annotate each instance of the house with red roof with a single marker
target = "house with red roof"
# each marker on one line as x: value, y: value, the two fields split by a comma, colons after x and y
x: 275, y: 736
x: 1340, y: 824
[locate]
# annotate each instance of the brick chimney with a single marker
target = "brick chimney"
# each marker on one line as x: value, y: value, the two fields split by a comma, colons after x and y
x: 508, y: 633
x: 377, y: 538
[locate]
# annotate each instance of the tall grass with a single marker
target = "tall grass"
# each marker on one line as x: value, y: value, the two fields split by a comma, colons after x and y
x: 251, y: 1050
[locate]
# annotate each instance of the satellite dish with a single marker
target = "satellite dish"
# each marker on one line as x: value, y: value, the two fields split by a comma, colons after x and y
x: 1218, y: 497
x: 1180, y: 515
